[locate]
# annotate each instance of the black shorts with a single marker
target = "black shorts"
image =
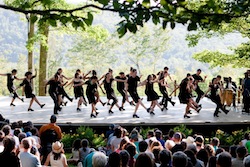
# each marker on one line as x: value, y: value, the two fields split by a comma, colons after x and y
x: 10, y: 89
x: 30, y: 95
x: 134, y: 96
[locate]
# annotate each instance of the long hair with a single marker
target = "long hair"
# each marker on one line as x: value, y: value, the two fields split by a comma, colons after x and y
x: 57, y: 156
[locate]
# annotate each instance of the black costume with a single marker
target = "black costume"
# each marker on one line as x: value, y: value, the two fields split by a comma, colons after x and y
x: 61, y: 90
x: 215, y: 97
x: 90, y: 91
x: 110, y: 91
x: 53, y: 92
x: 28, y: 87
x: 184, y: 95
x: 121, y: 88
x: 198, y: 90
x: 132, y: 88
x: 246, y: 95
x: 78, y: 90
x: 163, y: 91
x: 10, y: 84
x: 150, y: 92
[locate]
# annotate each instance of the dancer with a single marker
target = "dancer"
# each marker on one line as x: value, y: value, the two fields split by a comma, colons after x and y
x: 246, y: 92
x: 214, y: 96
x: 54, y: 87
x: 10, y: 78
x: 151, y: 94
x: 91, y: 94
x: 121, y: 88
x: 163, y: 89
x: 185, y: 95
x: 94, y: 73
x: 232, y: 85
x: 61, y: 88
x: 107, y: 82
x: 27, y: 83
x: 132, y: 89
x: 78, y: 90
x: 197, y: 79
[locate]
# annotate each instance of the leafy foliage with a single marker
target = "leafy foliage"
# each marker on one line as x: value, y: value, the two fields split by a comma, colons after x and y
x: 183, y: 129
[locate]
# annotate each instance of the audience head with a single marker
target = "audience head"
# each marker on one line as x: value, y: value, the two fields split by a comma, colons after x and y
x: 241, y: 152
x: 84, y: 143
x: 177, y: 137
x: 215, y: 141
x: 26, y: 144
x: 2, y: 135
x: 224, y: 159
x: 143, y: 160
x: 203, y: 156
x: 210, y: 150
x: 9, y: 144
x: 232, y: 151
x: 124, y: 157
x: 218, y: 151
x: 114, y: 160
x: 169, y: 144
x: 53, y: 119
x: 21, y: 136
x: 76, y: 144
x: 165, y: 157
x: 6, y: 129
x: 150, y: 134
x: 118, y: 132
x: 180, y: 159
x: 99, y: 159
x: 57, y: 147
x: 143, y: 146
x: 158, y: 134
x: 199, y: 140
x: 246, y: 161
x: 131, y: 149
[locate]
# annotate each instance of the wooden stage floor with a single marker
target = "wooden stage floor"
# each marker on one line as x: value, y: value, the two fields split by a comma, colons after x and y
x: 69, y: 115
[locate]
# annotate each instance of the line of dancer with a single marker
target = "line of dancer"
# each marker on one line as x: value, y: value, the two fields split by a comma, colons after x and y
x: 126, y: 85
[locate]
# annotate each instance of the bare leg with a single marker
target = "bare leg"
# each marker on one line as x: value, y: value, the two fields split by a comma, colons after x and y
x: 79, y: 102
x: 36, y: 100
x: 140, y: 103
x: 12, y: 101
x: 136, y: 107
x: 31, y: 102
x: 157, y: 104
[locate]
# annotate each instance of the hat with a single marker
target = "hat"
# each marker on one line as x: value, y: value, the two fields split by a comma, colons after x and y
x: 189, y: 140
x: 57, y: 147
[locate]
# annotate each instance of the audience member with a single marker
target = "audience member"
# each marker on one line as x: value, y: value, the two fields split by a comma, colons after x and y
x: 224, y: 159
x: 180, y: 159
x: 241, y: 152
x: 99, y: 159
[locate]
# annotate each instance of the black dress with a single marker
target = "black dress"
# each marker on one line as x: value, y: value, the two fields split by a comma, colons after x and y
x: 90, y: 91
x: 132, y: 88
x: 110, y: 91
x: 184, y: 95
x: 28, y: 88
x: 78, y: 90
x: 121, y: 88
x: 150, y: 92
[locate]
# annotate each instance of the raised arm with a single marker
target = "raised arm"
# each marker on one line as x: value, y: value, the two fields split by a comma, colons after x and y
x: 3, y: 74
x: 120, y: 80
x: 84, y: 76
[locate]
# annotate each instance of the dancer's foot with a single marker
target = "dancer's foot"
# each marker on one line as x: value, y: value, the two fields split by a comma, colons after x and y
x: 111, y: 112
x: 42, y: 105
x: 22, y: 99
x: 104, y: 104
x: 132, y: 103
x: 135, y: 116
x: 96, y: 113
x: 186, y: 116
x: 92, y: 115
x: 123, y: 109
x: 198, y: 110
x: 71, y: 99
x: 173, y: 103
x: 152, y: 113
x: 216, y: 115
x: 189, y: 112
x: 120, y: 108
x: 65, y: 103
x: 60, y: 109
x: 108, y: 104
x: 30, y: 109
x: 148, y: 110
x: 78, y: 109
x: 162, y: 109
x: 11, y: 104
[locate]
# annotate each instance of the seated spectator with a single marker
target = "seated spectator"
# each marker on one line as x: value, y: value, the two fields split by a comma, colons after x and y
x: 124, y: 157
x: 57, y: 157
x: 121, y: 145
x: 27, y: 159
x: 244, y: 141
x: 169, y: 144
x: 144, y: 160
x: 215, y: 142
x: 2, y: 135
x: 180, y: 159
x: 99, y: 159
x: 232, y: 151
x: 75, y: 152
x: 241, y: 152
x: 116, y: 140
x: 49, y: 133
x: 203, y: 156
x: 8, y: 157
x: 224, y: 160
x: 114, y: 160
x: 88, y: 159
x: 246, y: 161
x: 7, y: 131
x: 158, y: 135
x: 150, y: 134
x: 84, y: 150
x: 132, y: 152
x: 165, y: 157
x: 199, y: 141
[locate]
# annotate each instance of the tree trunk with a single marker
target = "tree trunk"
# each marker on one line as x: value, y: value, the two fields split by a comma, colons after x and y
x: 43, y: 59
x: 30, y: 54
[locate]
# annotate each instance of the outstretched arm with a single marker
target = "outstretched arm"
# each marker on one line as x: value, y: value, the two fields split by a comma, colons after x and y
x: 209, y: 89
x: 3, y: 74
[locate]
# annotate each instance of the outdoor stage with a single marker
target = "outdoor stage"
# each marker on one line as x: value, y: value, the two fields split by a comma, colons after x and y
x: 69, y: 115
